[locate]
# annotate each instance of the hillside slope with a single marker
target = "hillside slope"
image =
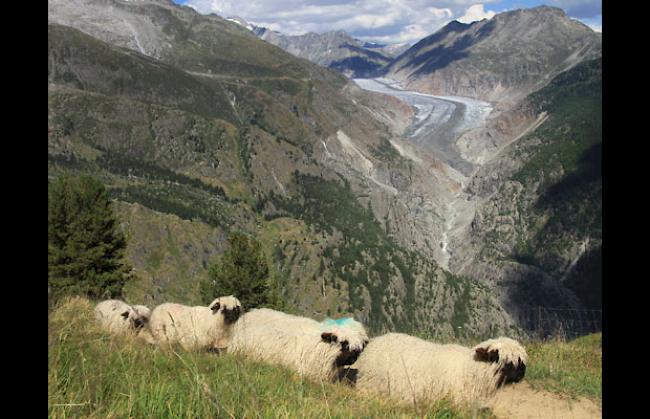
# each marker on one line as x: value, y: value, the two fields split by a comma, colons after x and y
x: 538, y: 230
x: 91, y: 374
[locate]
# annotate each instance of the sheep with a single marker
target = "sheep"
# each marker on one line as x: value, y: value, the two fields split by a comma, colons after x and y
x: 143, y: 312
x: 195, y: 328
x: 118, y: 317
x: 412, y: 370
x: 316, y: 350
x: 144, y: 333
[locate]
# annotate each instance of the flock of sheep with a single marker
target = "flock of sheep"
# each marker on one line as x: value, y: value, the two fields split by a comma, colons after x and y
x: 395, y: 365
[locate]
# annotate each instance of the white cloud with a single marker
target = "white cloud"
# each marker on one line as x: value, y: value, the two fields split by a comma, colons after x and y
x: 596, y: 27
x: 388, y: 21
x: 474, y: 13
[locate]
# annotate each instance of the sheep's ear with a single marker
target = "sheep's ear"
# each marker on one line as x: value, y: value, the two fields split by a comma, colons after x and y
x: 329, y: 337
x: 215, y: 307
x: 482, y: 354
x: 125, y: 314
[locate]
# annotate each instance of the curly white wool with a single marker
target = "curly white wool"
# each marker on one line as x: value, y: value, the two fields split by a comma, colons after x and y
x: 196, y: 327
x: 302, y: 344
x: 413, y: 370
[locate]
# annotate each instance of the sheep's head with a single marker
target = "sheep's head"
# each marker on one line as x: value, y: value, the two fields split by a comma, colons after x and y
x: 349, y: 335
x: 229, y: 307
x: 508, y: 354
x: 142, y: 314
x: 131, y: 316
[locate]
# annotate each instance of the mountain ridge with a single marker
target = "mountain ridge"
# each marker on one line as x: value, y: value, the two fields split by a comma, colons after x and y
x: 533, y: 46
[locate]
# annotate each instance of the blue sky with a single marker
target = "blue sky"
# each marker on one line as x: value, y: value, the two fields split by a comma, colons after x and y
x: 387, y: 21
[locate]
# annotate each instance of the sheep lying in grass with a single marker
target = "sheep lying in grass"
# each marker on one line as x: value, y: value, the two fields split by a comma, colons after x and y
x: 119, y: 318
x: 316, y: 350
x: 195, y: 328
x: 413, y: 370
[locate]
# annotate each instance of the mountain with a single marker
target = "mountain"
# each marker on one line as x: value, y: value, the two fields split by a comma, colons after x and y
x: 389, y: 50
x: 197, y: 127
x: 501, y: 59
x: 335, y: 49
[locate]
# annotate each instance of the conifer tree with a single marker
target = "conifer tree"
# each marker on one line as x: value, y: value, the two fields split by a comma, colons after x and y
x: 85, y: 248
x: 242, y: 272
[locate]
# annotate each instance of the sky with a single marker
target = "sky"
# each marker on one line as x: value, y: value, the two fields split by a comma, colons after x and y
x: 384, y: 21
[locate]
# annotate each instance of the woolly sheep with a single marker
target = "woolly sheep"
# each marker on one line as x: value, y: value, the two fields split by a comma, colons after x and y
x: 410, y: 369
x: 197, y: 327
x: 118, y: 317
x: 316, y: 350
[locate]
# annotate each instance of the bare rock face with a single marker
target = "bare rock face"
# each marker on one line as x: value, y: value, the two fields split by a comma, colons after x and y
x: 501, y: 59
x: 120, y: 23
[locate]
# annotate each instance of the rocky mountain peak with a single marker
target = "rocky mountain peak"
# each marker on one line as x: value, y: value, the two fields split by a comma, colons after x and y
x: 500, y: 59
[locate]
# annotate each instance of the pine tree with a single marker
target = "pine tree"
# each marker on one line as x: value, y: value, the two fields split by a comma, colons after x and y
x: 85, y: 248
x: 242, y: 272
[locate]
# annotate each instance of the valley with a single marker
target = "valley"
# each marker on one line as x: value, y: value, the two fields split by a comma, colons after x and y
x: 416, y: 199
x: 437, y: 124
x: 439, y: 120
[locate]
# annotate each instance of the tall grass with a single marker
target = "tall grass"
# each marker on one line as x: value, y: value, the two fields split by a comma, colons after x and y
x: 573, y: 368
x: 93, y: 375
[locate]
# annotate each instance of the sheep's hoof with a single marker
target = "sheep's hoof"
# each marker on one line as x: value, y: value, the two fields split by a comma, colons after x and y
x: 214, y: 350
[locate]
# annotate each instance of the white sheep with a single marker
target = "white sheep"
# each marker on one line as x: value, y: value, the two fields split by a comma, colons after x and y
x: 316, y: 350
x: 197, y: 327
x: 413, y: 370
x: 118, y: 317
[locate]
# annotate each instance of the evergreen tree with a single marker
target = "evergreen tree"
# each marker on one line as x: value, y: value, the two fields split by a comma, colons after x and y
x: 85, y: 249
x: 242, y: 272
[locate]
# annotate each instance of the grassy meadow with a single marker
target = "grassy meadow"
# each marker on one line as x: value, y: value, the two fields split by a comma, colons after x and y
x: 573, y: 368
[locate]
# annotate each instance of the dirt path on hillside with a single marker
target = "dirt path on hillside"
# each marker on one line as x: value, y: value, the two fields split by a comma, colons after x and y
x: 521, y: 401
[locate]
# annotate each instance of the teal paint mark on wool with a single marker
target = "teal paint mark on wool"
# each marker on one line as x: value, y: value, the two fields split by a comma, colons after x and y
x: 338, y: 322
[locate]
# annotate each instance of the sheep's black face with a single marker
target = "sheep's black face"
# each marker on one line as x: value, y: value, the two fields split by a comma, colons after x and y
x: 231, y: 315
x: 348, y: 356
x: 138, y: 323
x: 347, y: 376
x: 511, y: 373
